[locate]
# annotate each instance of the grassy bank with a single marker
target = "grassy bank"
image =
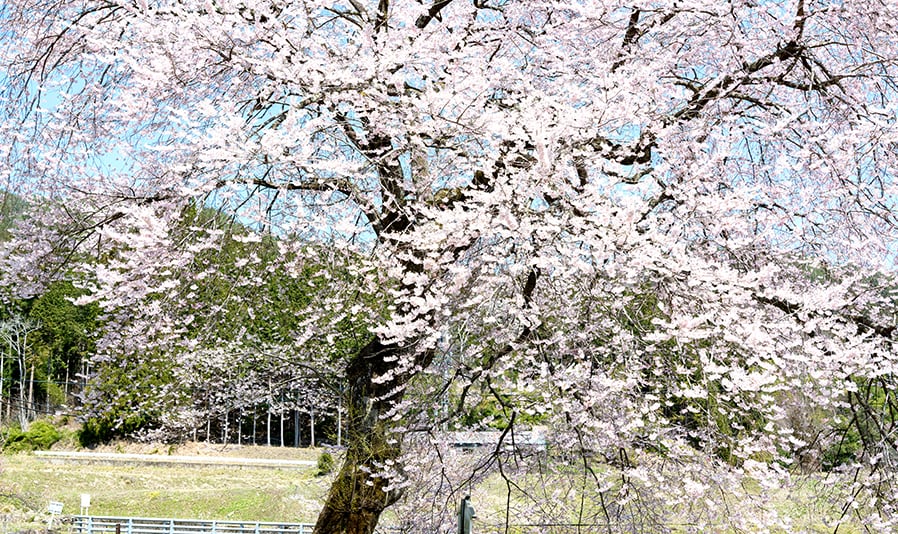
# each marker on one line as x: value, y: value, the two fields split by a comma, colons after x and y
x: 29, y: 483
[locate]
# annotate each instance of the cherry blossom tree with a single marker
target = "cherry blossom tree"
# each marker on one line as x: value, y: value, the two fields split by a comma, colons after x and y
x: 646, y: 224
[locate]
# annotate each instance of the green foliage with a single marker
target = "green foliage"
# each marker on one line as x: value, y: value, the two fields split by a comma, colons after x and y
x: 872, y: 409
x: 127, y: 396
x: 325, y: 463
x: 55, y: 392
x: 41, y: 435
x: 98, y: 430
x: 12, y: 207
x: 256, y: 291
x: 64, y: 338
x: 844, y: 450
x: 67, y: 331
x: 670, y: 365
x: 261, y: 291
x: 489, y: 412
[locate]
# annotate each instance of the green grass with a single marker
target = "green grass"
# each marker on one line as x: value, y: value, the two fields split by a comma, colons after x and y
x: 296, y: 495
x: 239, y: 493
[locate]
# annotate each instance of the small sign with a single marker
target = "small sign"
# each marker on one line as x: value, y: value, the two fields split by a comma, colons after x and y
x: 55, y: 507
x: 85, y: 500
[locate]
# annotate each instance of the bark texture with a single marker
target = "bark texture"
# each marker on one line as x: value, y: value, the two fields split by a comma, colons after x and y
x: 357, y: 498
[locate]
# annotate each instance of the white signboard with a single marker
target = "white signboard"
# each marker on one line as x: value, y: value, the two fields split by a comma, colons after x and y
x: 85, y: 500
x: 55, y: 507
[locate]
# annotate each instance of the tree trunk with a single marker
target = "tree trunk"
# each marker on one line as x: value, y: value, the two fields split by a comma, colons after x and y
x: 2, y: 379
x: 295, y: 428
x: 268, y: 420
x: 31, y: 411
x: 356, y: 499
x: 47, y: 388
x: 23, y: 380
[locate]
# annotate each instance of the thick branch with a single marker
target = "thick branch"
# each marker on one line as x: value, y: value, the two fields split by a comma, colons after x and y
x: 634, y: 32
x: 343, y: 186
x: 641, y: 151
x: 864, y: 323
x: 383, y: 15
x: 698, y: 102
x: 432, y: 13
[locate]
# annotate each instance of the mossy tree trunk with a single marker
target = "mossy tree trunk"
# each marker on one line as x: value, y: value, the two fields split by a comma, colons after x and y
x: 357, y: 496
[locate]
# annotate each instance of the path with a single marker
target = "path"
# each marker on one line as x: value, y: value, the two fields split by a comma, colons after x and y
x: 158, y: 459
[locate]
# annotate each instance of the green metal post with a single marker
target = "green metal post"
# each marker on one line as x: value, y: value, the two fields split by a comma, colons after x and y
x: 465, y: 515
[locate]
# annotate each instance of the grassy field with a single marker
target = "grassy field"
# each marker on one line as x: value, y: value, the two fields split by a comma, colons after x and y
x: 28, y: 483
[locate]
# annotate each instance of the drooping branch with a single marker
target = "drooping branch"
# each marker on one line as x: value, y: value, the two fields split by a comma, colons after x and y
x: 497, y: 355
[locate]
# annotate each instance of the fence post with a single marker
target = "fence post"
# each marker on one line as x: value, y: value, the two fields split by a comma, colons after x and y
x: 171, y: 526
x: 130, y: 526
x: 465, y: 515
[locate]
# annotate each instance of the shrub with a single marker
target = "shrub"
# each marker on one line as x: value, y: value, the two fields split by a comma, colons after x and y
x: 99, y: 430
x: 40, y: 435
x: 325, y: 463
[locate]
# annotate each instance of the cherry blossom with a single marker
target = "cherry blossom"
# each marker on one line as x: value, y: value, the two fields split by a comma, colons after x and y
x: 663, y: 230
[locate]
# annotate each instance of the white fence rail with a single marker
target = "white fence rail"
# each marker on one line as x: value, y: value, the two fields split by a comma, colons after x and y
x: 150, y: 525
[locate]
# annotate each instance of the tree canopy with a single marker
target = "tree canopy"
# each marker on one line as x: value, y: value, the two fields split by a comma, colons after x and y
x: 659, y: 227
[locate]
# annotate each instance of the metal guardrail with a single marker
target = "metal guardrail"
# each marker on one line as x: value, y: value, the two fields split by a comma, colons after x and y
x: 150, y: 525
